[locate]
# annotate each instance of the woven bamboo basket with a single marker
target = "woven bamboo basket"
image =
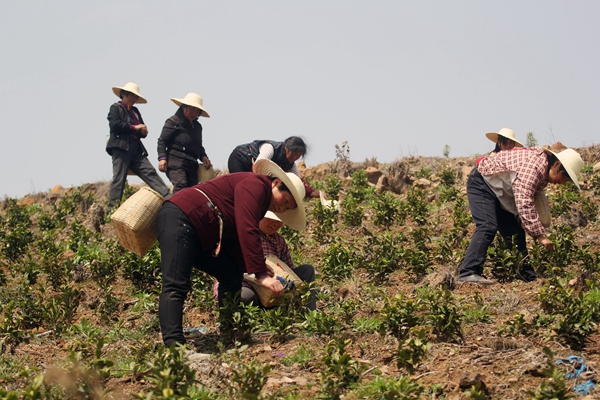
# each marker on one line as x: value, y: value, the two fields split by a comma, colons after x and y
x: 281, y: 269
x: 541, y: 206
x: 134, y: 220
x: 205, y: 174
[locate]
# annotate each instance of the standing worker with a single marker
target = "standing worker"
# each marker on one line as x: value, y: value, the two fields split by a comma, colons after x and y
x: 180, y: 143
x: 127, y: 128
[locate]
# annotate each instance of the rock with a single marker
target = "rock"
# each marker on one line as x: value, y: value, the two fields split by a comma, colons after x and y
x: 56, y: 192
x: 27, y: 200
x: 94, y: 218
x: 596, y: 167
x: 469, y: 379
x: 383, y: 184
x: 373, y: 174
x: 422, y: 182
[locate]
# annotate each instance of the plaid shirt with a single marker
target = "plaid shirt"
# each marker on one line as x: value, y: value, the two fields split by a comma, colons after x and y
x: 275, y: 244
x: 530, y: 166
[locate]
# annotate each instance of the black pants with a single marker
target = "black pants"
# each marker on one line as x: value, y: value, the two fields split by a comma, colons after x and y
x: 180, y: 252
x: 133, y: 159
x: 489, y: 218
x: 238, y: 162
x: 182, y: 173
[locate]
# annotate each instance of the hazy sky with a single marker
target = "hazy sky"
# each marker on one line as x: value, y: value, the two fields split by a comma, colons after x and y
x: 393, y: 78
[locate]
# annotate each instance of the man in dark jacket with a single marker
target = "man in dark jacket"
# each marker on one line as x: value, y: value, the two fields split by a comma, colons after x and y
x: 180, y: 143
x: 124, y: 145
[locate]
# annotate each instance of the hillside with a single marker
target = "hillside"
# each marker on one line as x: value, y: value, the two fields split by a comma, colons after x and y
x: 79, y: 312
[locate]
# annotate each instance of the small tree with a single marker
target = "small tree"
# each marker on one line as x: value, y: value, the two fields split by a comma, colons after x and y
x: 531, y: 140
x: 446, y: 151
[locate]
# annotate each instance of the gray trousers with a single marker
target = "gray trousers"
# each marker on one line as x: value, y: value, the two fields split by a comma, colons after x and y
x: 133, y: 159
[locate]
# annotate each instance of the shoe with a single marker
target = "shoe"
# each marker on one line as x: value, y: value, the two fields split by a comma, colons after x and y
x: 475, y: 279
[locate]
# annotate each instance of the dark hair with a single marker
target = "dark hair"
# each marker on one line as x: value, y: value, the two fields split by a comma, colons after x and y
x: 501, y: 140
x: 552, y: 159
x: 124, y: 93
x: 283, y: 187
x: 295, y: 144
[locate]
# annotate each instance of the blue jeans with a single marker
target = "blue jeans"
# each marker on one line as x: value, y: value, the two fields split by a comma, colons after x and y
x: 489, y: 218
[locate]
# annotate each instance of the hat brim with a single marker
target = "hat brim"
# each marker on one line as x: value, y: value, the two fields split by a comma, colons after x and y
x: 295, y: 218
x: 117, y: 91
x: 181, y: 102
x: 570, y: 171
x: 493, y: 136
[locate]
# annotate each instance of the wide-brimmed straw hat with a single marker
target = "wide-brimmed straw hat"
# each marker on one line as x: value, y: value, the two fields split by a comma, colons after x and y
x: 194, y: 100
x: 296, y: 218
x: 504, y: 132
x: 271, y: 215
x: 132, y: 88
x: 572, y: 161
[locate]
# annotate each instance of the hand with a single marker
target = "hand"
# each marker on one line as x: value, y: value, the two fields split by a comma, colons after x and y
x: 206, y: 162
x: 270, y: 270
x: 141, y: 129
x: 272, y: 284
x: 547, y: 243
x: 162, y: 165
x: 316, y: 194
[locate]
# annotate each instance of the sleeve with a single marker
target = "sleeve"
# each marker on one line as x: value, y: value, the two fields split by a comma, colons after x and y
x: 284, y: 251
x: 202, y: 151
x: 165, y: 137
x: 524, y: 187
x: 251, y: 200
x: 265, y: 151
x: 118, y: 121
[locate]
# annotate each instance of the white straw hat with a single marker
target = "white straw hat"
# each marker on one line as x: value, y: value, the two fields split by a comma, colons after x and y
x: 194, y: 100
x: 504, y: 132
x: 571, y: 160
x: 132, y: 88
x: 296, y: 218
x: 271, y: 215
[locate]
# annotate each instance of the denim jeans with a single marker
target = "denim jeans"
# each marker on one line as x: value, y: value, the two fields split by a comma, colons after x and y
x: 489, y: 218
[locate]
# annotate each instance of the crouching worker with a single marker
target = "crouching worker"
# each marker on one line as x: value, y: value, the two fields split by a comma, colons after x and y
x: 501, y: 192
x: 214, y: 226
x: 275, y: 244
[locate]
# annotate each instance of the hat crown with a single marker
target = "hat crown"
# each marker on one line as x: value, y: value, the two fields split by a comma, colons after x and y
x: 131, y: 87
x: 507, y: 133
x: 297, y: 182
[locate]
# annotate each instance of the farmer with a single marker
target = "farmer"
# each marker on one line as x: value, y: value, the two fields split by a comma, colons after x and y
x: 275, y: 244
x: 285, y: 154
x: 180, y: 143
x: 501, y: 193
x: 127, y: 128
x: 214, y: 226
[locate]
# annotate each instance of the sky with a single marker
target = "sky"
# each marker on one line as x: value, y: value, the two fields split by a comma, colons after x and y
x: 391, y: 78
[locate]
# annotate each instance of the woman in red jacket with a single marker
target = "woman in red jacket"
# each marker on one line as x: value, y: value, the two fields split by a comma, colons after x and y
x: 214, y: 226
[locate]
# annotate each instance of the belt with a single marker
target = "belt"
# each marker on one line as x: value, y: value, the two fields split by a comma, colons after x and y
x: 219, y: 216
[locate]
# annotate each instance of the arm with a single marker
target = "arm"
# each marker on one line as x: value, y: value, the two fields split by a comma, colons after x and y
x: 265, y: 151
x: 118, y: 121
x: 168, y: 130
x: 310, y: 191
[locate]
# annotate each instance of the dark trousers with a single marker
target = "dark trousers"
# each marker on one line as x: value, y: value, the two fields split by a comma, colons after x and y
x: 305, y: 272
x: 180, y: 252
x: 238, y: 163
x: 123, y: 161
x: 489, y: 218
x: 182, y: 173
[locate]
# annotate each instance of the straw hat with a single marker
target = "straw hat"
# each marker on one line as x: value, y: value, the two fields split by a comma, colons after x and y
x: 572, y: 162
x: 194, y: 100
x: 132, y: 88
x: 296, y: 218
x: 504, y: 132
x: 271, y: 215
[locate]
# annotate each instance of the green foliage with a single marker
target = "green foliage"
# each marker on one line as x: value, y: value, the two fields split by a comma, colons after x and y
x: 573, y: 315
x: 340, y: 261
x: 339, y: 371
x: 418, y: 206
x: 236, y: 319
x: 424, y: 172
x: 441, y: 312
x: 325, y: 220
x: 388, y: 209
x: 359, y: 186
x: 353, y: 211
x: 411, y: 351
x: 171, y: 377
x: 398, y: 316
x: 321, y: 323
x: 389, y: 388
x: 303, y: 355
x: 382, y: 254
x: 447, y: 151
x: 249, y: 380
x: 531, y: 140
x: 506, y: 262
x: 333, y: 186
x: 563, y: 199
x: 555, y: 387
x: 15, y: 235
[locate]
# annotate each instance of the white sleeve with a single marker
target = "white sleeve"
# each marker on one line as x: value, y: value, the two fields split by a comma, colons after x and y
x: 265, y: 151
